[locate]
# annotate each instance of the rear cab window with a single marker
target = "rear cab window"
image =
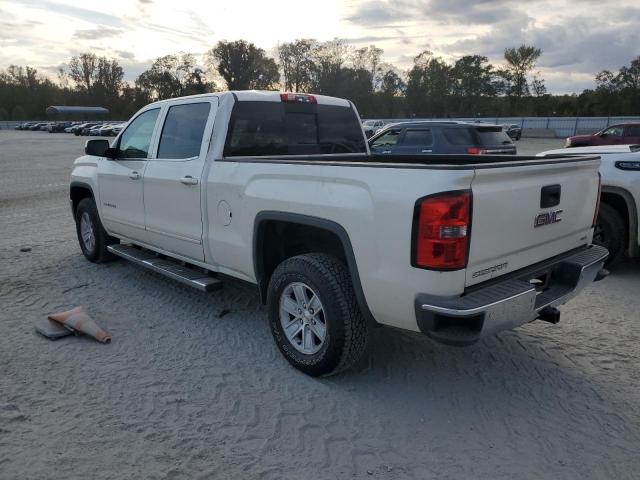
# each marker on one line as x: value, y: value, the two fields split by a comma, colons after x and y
x: 259, y: 128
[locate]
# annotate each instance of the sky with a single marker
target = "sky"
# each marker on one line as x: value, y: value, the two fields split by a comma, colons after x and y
x: 578, y: 37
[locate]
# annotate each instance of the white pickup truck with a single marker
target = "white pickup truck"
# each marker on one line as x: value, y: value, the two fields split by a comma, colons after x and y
x: 280, y: 190
x: 618, y: 225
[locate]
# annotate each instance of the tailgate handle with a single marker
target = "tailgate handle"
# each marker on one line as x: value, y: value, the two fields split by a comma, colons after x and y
x: 550, y: 196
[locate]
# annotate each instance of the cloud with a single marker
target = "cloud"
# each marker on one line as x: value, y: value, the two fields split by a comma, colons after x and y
x: 86, y: 14
x: 381, y: 12
x: 95, y: 33
x: 125, y: 54
x: 390, y: 12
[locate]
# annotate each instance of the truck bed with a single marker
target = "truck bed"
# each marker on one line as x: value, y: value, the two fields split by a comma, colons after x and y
x: 415, y: 161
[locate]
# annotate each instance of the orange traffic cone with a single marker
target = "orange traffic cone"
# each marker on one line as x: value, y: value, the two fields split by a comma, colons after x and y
x: 78, y: 320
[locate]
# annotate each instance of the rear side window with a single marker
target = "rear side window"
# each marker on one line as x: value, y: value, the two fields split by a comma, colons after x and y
x: 459, y: 136
x: 417, y: 138
x: 183, y: 130
x: 272, y: 128
x: 633, y: 131
x: 492, y: 136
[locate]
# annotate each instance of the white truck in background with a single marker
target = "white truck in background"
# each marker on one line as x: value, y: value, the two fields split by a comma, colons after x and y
x: 280, y: 190
x: 618, y: 224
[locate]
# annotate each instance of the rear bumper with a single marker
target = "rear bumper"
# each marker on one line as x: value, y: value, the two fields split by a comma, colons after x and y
x: 510, y: 303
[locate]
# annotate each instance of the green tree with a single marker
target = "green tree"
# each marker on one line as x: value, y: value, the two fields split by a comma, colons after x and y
x: 244, y: 66
x: 473, y: 80
x: 429, y: 84
x: 297, y: 64
x: 173, y: 76
x: 369, y: 58
x: 520, y: 61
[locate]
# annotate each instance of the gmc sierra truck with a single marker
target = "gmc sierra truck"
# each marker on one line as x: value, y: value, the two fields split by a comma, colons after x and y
x: 280, y: 190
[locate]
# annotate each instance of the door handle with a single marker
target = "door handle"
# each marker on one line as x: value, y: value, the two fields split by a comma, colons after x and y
x: 426, y: 151
x: 189, y: 180
x: 386, y: 151
x: 134, y: 176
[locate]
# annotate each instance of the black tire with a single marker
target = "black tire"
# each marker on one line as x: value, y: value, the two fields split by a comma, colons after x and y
x: 98, y: 253
x: 611, y: 233
x: 346, y: 329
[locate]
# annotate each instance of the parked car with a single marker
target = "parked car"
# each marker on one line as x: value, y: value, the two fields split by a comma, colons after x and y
x: 513, y: 130
x: 102, y: 130
x: 279, y: 190
x: 77, y: 130
x: 117, y: 129
x: 618, y: 223
x: 36, y: 126
x: 621, y: 134
x: 87, y: 130
x: 439, y: 137
x: 24, y: 126
x: 58, y: 127
x: 370, y: 127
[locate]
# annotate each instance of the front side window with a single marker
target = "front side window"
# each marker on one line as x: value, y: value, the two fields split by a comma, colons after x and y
x: 614, y: 132
x: 387, y: 139
x: 183, y: 131
x: 136, y: 139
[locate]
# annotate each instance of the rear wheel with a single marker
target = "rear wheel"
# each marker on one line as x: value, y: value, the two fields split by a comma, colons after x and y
x: 610, y: 232
x: 92, y: 236
x: 314, y: 316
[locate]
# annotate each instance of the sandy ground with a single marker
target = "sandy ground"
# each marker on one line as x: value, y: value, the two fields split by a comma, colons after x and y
x: 193, y: 387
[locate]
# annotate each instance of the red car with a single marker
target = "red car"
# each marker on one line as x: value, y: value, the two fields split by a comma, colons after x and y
x: 622, y: 134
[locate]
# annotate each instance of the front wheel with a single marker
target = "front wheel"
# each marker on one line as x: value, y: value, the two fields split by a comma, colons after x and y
x: 314, y: 315
x: 610, y: 232
x: 92, y: 236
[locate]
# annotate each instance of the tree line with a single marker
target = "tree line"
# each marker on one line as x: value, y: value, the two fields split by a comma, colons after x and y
x: 431, y: 87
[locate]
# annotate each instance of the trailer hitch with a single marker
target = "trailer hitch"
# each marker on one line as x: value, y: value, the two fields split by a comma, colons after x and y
x: 549, y: 314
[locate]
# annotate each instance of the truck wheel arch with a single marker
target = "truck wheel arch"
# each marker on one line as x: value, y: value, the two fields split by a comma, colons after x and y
x: 78, y: 191
x: 623, y: 201
x: 263, y: 235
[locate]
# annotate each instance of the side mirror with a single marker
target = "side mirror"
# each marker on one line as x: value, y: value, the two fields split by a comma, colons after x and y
x: 96, y: 148
x: 604, y: 134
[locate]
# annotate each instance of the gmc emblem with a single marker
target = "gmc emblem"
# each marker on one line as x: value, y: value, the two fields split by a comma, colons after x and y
x: 547, y: 218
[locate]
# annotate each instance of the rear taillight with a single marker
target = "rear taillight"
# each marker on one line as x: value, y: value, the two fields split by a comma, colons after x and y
x: 297, y: 98
x: 441, y: 231
x: 595, y: 215
x: 476, y: 151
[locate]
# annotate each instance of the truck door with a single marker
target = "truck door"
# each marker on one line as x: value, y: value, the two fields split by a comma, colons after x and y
x: 120, y: 179
x: 173, y: 179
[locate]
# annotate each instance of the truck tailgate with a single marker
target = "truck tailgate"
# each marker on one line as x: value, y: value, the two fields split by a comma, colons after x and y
x: 525, y: 214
